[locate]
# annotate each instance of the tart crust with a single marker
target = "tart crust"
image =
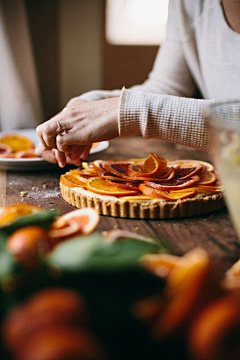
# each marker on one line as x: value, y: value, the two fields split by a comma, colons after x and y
x: 141, y: 209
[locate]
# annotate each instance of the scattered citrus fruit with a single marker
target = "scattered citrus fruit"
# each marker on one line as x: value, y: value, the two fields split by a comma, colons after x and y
x: 82, y: 221
x: 13, y: 212
x: 215, y: 332
x: 27, y: 244
x: 189, y: 289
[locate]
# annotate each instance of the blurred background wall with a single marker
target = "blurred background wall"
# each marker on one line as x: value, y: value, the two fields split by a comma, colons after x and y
x: 72, y: 54
x: 78, y: 45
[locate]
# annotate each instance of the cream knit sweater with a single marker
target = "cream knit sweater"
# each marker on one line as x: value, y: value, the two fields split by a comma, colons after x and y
x: 201, y: 51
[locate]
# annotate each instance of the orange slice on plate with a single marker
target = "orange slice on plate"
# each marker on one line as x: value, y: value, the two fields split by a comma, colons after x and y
x: 28, y: 154
x: 99, y: 186
x: 172, y: 195
x: 5, y: 150
x: 82, y: 221
x: 72, y: 180
x: 153, y: 166
x: 17, y: 142
x: 11, y: 213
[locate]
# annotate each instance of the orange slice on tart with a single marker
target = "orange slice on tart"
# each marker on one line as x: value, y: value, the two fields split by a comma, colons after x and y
x: 154, y: 165
x: 99, y: 186
x: 168, y: 195
x: 72, y: 180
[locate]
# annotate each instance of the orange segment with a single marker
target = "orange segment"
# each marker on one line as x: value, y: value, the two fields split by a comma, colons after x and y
x: 82, y: 221
x: 153, y: 166
x: 17, y: 142
x: 71, y: 180
x: 171, y: 195
x: 99, y: 186
x: 11, y: 213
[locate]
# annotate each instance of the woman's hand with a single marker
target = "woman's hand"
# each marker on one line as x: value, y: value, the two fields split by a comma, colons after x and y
x: 84, y: 123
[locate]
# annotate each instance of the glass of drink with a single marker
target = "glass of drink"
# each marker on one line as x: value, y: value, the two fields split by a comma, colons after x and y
x: 223, y: 123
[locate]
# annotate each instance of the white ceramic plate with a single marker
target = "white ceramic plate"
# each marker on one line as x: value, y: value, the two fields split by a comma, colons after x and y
x: 35, y: 163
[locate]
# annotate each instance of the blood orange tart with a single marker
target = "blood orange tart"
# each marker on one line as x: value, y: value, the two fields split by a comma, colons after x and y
x: 144, y: 188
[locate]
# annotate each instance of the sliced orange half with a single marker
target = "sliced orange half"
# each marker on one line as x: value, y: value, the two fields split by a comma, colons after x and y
x: 11, y: 213
x: 71, y: 180
x: 99, y: 186
x: 17, y: 142
x: 171, y: 195
x: 81, y: 221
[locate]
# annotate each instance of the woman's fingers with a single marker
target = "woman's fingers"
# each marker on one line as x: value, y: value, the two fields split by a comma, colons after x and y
x: 48, y: 131
x: 86, y: 151
x: 61, y: 158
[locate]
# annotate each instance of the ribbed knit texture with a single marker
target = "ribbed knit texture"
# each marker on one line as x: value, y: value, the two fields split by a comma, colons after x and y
x: 201, y: 52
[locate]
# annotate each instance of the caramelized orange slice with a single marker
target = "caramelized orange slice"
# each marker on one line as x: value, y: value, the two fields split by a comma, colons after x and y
x: 17, y: 142
x: 71, y: 180
x: 81, y: 221
x: 171, y: 195
x: 89, y: 167
x: 153, y: 166
x: 11, y: 213
x: 128, y: 185
x: 83, y: 172
x: 207, y: 178
x: 192, y: 163
x: 99, y: 186
x: 175, y: 184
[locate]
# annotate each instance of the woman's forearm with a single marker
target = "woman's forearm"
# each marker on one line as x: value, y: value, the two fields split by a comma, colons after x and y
x: 169, y: 118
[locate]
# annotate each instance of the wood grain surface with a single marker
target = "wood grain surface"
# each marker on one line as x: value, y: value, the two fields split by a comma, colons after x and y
x: 213, y: 231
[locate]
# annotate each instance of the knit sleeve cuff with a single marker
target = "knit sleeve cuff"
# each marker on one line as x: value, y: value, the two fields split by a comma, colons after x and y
x: 129, y: 122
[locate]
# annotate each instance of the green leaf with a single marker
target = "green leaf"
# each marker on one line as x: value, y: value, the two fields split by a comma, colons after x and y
x: 92, y: 254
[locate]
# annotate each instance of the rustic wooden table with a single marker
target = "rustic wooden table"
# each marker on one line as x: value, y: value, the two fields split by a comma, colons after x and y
x: 213, y: 231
